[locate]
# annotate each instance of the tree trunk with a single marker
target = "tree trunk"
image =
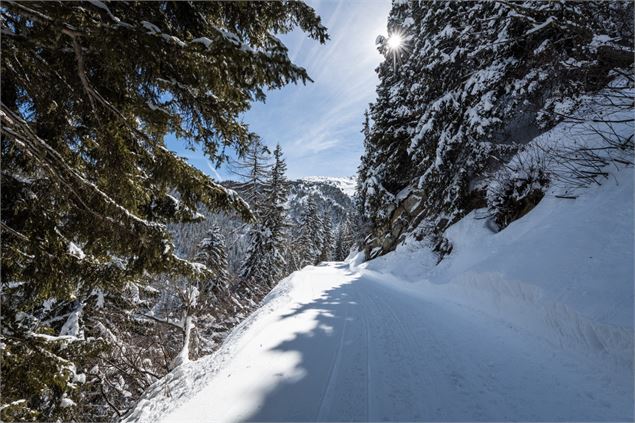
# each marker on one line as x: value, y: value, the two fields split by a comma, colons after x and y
x: 184, y: 355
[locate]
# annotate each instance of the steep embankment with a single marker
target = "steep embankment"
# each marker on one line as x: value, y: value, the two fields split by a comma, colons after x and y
x: 564, y: 271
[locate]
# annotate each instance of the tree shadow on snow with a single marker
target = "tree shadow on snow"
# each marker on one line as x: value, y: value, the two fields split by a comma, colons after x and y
x: 326, y: 357
x: 331, y: 381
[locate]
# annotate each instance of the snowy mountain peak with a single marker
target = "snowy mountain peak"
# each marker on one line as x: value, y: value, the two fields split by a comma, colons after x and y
x: 346, y: 184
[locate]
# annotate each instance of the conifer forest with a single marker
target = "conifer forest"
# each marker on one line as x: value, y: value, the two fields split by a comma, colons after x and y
x: 366, y: 210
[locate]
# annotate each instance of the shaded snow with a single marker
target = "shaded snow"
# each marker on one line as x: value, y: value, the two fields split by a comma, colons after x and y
x: 71, y: 326
x: 75, y: 251
x: 67, y: 402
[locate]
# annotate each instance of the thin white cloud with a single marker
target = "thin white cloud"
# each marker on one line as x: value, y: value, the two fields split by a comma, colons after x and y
x: 319, y: 125
x: 213, y: 170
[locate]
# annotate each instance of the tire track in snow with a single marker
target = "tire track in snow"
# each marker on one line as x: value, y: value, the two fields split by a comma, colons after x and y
x: 396, y: 342
x: 368, y: 376
x: 434, y: 363
x: 333, y: 371
x: 480, y: 389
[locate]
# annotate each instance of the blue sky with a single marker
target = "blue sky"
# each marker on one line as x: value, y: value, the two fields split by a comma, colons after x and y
x: 318, y: 125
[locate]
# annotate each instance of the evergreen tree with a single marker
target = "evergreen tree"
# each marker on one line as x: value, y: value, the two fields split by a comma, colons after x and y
x: 310, y: 241
x: 362, y: 191
x: 344, y: 241
x: 274, y: 217
x: 89, y: 91
x: 252, y: 168
x: 508, y: 70
x: 363, y: 169
x: 326, y: 251
x: 265, y: 261
x: 211, y: 252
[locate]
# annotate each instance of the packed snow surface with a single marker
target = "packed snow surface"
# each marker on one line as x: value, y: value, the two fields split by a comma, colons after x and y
x: 533, y: 323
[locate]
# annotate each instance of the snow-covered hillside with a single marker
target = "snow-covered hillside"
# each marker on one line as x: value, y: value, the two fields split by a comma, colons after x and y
x: 530, y: 323
x: 347, y: 185
x: 332, y: 196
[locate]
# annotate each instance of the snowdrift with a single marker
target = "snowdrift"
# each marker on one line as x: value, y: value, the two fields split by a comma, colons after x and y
x: 564, y: 271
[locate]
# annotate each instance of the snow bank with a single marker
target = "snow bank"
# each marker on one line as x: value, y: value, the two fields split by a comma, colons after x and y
x: 564, y: 271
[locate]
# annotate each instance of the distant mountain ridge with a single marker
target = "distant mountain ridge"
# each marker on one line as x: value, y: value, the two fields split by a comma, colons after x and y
x: 346, y: 184
x: 332, y: 195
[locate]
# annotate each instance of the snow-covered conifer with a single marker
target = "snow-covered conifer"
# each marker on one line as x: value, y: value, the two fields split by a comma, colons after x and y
x: 327, y: 249
x: 265, y: 261
x: 473, y: 81
x: 253, y: 168
x: 310, y: 241
x: 211, y: 252
x: 344, y: 240
x: 89, y: 92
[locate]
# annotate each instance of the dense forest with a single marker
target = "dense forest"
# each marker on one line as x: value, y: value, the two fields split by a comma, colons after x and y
x: 438, y: 147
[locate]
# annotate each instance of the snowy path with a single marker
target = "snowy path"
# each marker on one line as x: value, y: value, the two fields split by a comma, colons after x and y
x: 345, y: 345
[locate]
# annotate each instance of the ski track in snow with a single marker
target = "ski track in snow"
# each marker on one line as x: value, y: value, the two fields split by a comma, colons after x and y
x: 347, y: 346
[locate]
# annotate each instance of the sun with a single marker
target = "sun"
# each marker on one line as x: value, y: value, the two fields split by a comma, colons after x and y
x: 395, y: 41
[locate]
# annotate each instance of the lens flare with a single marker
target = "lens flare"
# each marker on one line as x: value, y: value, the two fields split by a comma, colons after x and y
x: 395, y: 41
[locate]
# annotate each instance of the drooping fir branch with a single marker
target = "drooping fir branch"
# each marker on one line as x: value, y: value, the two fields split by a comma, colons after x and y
x: 90, y: 91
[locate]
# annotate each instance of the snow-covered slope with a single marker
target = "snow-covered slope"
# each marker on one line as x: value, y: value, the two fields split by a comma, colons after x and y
x: 531, y: 323
x: 347, y: 184
x: 563, y: 271
x: 331, y: 195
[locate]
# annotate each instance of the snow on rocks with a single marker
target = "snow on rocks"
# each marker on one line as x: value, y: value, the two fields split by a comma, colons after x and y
x: 564, y: 271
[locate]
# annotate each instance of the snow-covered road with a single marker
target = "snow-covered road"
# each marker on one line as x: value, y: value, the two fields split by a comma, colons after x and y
x: 345, y: 345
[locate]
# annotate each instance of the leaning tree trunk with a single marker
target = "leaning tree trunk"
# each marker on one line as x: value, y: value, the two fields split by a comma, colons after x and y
x: 184, y: 355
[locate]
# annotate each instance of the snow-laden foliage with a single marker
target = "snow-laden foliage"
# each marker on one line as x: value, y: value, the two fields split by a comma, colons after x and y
x: 344, y: 240
x: 328, y: 241
x: 327, y: 194
x: 517, y: 187
x: 473, y: 83
x: 211, y: 253
x: 265, y: 262
x: 89, y: 91
x: 311, y: 239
